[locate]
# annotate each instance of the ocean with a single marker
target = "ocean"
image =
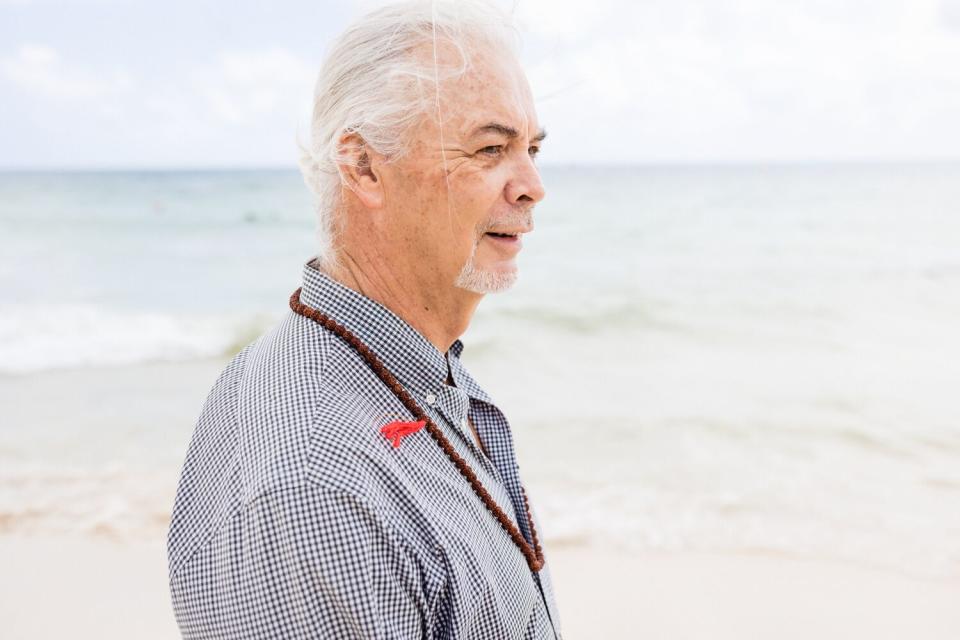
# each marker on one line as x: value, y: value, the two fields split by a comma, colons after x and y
x: 740, y: 358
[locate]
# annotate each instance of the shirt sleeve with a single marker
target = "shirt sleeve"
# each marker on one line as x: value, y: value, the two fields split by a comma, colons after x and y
x: 306, y: 562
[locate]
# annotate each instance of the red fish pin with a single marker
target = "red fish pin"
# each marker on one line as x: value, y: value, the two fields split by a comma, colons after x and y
x: 396, y: 430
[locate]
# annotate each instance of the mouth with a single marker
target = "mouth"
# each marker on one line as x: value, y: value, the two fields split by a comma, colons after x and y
x: 509, y: 242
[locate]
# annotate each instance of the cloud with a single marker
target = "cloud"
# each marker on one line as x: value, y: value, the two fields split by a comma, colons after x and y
x: 950, y: 14
x: 242, y: 86
x: 234, y: 106
x: 744, y: 79
x: 40, y: 70
x: 615, y: 81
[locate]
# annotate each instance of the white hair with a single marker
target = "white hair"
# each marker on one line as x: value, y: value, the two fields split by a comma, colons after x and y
x: 372, y: 84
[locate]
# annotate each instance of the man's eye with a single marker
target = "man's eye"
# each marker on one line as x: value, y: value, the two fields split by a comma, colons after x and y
x: 493, y: 150
x: 534, y: 151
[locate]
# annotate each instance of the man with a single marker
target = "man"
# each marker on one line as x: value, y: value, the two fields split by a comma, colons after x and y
x: 347, y: 477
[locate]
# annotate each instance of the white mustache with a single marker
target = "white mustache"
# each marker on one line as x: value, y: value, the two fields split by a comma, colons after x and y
x: 522, y: 219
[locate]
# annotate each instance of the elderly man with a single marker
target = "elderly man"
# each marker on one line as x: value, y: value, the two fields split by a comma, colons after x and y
x: 347, y: 477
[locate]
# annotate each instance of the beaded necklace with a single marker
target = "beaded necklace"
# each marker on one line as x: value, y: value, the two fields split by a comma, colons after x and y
x: 534, y: 555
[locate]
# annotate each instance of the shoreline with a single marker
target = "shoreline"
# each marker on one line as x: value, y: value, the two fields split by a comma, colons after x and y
x: 81, y: 585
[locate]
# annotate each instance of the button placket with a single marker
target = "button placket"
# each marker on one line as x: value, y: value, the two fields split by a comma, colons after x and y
x: 460, y: 425
x: 441, y: 403
x: 457, y: 403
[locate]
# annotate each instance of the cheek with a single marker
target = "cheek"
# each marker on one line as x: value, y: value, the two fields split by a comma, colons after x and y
x: 447, y: 229
x: 438, y: 229
x: 418, y: 202
x: 473, y: 197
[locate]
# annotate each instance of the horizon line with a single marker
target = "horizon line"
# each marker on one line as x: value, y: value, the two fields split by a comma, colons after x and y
x: 649, y: 163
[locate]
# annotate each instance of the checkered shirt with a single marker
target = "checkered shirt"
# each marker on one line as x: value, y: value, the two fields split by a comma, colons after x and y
x: 295, y: 517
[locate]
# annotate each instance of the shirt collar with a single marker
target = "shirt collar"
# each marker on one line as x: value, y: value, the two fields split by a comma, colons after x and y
x: 404, y: 351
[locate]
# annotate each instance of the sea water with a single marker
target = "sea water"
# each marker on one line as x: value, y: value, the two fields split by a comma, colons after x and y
x: 722, y: 358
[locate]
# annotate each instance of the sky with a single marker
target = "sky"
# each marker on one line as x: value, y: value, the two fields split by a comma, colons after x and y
x: 102, y: 84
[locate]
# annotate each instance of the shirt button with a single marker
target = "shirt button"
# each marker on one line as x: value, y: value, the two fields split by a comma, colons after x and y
x: 431, y: 399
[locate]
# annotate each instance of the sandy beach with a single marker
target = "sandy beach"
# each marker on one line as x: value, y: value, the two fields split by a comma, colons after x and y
x: 83, y: 587
x: 105, y: 576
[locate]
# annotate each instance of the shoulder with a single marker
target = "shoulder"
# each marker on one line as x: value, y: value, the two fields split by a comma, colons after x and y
x: 308, y: 409
x: 294, y: 408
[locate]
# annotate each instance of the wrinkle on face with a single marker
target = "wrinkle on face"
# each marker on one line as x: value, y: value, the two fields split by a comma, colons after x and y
x: 443, y: 195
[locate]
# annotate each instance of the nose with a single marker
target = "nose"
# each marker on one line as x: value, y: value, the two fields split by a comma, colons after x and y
x: 525, y: 185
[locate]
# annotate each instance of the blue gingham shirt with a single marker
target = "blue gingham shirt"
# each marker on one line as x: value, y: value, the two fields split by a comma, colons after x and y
x: 295, y: 517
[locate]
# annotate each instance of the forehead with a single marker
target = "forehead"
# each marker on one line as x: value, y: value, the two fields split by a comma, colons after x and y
x: 493, y: 88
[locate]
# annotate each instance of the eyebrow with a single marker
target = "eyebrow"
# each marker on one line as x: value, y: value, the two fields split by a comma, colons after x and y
x: 505, y: 130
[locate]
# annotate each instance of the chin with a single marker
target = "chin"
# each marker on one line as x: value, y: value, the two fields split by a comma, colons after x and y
x: 479, y: 280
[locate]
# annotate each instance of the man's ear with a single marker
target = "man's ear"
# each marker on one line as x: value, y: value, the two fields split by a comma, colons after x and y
x: 360, y: 170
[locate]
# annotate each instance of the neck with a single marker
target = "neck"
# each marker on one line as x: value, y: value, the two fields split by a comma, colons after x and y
x: 441, y: 313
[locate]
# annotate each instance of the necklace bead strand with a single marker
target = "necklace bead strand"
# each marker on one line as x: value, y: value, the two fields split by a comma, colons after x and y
x: 533, y: 555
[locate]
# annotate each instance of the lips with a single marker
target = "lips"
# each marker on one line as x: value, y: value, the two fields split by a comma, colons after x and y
x: 510, y: 232
x: 510, y: 236
x: 510, y: 244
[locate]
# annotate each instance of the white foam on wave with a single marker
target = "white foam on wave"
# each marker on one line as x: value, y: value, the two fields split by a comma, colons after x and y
x: 113, y: 500
x: 41, y: 337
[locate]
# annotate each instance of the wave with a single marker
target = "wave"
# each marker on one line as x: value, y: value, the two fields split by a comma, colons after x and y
x: 60, y: 336
x: 114, y: 500
x: 594, y: 318
x: 125, y: 502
